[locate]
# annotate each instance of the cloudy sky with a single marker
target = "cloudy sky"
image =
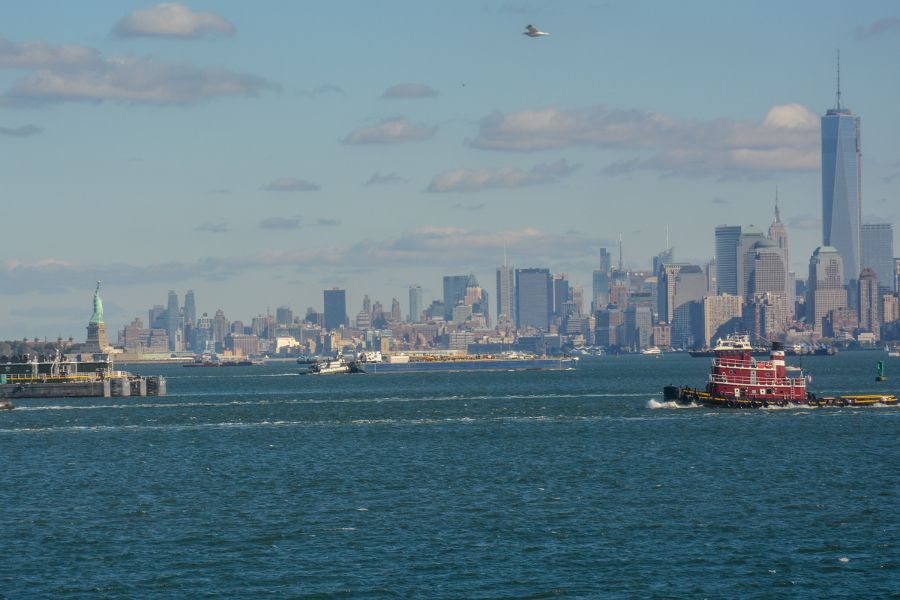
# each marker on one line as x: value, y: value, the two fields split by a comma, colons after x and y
x: 261, y: 152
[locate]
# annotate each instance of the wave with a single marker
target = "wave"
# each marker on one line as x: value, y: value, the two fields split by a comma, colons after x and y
x: 656, y: 404
x: 329, y: 423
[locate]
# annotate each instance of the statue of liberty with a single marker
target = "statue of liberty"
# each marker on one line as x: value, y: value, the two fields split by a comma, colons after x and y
x: 97, y: 317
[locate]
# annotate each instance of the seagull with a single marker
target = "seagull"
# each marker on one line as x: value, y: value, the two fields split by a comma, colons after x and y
x: 532, y: 31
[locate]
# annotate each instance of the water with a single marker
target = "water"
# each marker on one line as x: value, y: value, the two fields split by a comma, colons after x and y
x: 256, y: 481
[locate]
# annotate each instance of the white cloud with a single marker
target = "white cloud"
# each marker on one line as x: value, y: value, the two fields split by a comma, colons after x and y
x: 786, y: 140
x: 291, y: 184
x: 390, y: 131
x: 474, y: 180
x: 38, y: 55
x: 78, y: 74
x: 172, y: 20
x: 409, y: 90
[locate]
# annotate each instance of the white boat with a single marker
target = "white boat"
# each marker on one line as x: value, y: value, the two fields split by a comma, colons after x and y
x: 330, y: 366
x: 651, y: 350
x: 895, y: 353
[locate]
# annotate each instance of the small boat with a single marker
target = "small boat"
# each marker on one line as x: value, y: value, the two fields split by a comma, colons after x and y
x: 651, y: 350
x: 331, y: 366
x: 6, y: 405
x: 894, y: 354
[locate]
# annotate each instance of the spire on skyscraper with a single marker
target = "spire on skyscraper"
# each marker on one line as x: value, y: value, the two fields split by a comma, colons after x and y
x: 838, y: 98
x: 777, y: 213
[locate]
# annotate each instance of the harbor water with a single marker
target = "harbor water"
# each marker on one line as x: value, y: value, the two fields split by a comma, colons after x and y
x: 256, y: 481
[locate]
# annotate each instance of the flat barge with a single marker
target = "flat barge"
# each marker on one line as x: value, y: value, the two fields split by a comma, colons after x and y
x: 54, y: 377
x: 738, y: 380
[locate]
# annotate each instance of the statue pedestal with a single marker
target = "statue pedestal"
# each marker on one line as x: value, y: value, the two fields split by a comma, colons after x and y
x: 96, y: 338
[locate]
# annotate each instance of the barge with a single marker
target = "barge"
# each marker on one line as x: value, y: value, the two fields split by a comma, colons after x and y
x: 738, y: 380
x: 55, y: 377
x: 374, y: 362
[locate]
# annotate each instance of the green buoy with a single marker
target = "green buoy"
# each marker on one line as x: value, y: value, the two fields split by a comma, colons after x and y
x: 880, y: 369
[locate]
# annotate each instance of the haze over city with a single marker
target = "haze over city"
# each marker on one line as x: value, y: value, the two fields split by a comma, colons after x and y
x: 261, y: 153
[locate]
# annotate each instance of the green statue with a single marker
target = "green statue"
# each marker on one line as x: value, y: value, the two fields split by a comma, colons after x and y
x: 97, y: 317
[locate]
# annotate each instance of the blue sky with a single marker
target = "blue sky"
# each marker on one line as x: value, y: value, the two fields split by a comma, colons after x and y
x: 261, y: 152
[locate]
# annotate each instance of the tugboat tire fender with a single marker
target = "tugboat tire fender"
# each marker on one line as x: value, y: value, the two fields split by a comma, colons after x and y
x: 765, y: 404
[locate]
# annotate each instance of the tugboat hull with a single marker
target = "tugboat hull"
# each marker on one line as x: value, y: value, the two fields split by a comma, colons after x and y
x: 689, y: 396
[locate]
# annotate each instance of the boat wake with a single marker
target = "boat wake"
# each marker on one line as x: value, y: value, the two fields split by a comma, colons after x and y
x: 655, y: 404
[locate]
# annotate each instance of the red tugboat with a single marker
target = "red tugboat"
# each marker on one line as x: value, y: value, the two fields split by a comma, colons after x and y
x: 738, y: 380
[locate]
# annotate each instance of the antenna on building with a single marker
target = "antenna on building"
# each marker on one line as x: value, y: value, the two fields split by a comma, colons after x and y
x: 667, y: 237
x: 504, y: 252
x: 777, y: 212
x: 621, y: 266
x: 839, y: 79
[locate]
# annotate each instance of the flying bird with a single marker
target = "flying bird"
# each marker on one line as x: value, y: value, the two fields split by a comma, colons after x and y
x: 532, y: 31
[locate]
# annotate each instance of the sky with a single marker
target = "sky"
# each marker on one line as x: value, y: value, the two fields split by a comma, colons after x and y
x: 261, y: 152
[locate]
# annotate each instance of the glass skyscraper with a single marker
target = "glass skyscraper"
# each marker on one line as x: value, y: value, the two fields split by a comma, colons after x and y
x: 728, y: 237
x: 841, y: 201
x: 878, y: 252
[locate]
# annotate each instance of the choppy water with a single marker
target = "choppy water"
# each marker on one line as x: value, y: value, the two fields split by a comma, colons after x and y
x: 258, y: 482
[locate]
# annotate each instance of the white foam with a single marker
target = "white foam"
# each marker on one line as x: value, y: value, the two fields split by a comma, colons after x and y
x: 655, y: 404
x: 844, y: 559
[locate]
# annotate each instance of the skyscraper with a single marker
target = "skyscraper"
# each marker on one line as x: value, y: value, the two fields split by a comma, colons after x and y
x: 415, y: 303
x: 727, y: 239
x: 534, y: 298
x: 869, y: 305
x: 690, y: 288
x: 824, y: 288
x: 600, y: 296
x: 750, y: 236
x: 335, y: 301
x: 454, y: 293
x: 878, y: 252
x: 841, y: 200
x: 190, y: 309
x: 506, y: 295
x: 284, y: 315
x: 173, y: 323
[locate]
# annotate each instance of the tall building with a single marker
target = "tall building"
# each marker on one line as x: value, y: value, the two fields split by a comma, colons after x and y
x: 173, y: 323
x: 415, y: 303
x: 721, y: 315
x: 841, y: 191
x: 190, y: 309
x: 778, y: 234
x: 869, y: 305
x: 728, y: 237
x: 284, y: 315
x: 534, y: 299
x: 767, y: 272
x: 665, y: 294
x: 477, y: 300
x: 878, y: 252
x: 335, y: 309
x: 560, y: 294
x: 506, y: 295
x: 750, y: 236
x: 600, y: 296
x: 638, y: 327
x: 825, y: 290
x: 454, y: 293
x: 690, y: 288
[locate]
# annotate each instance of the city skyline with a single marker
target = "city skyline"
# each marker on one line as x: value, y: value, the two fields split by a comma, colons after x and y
x: 259, y: 168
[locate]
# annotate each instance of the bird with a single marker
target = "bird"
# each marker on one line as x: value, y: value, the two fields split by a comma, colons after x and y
x: 532, y: 31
